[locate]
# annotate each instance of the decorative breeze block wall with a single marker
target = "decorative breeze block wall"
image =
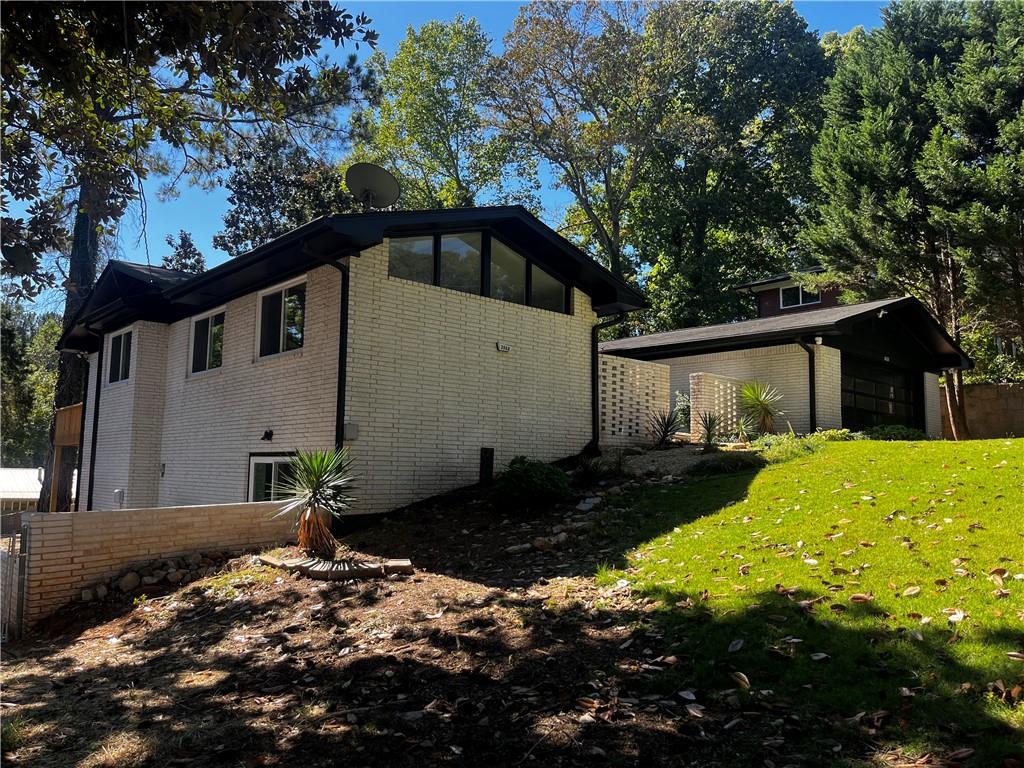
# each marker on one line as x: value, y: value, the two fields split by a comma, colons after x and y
x: 715, y: 394
x: 628, y: 391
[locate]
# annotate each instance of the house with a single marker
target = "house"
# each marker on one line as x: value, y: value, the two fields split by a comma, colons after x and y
x: 19, y: 492
x: 436, y: 345
x: 853, y: 366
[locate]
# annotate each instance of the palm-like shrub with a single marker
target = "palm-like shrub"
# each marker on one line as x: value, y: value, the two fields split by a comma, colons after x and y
x: 710, y: 428
x: 760, y: 401
x: 664, y: 424
x: 316, y: 487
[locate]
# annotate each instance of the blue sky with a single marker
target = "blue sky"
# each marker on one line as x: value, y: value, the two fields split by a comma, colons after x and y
x: 201, y: 212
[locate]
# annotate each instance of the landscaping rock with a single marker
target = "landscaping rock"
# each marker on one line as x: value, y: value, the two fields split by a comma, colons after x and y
x: 194, y: 559
x: 149, y: 580
x: 175, y: 576
x: 515, y: 549
x: 101, y: 591
x: 129, y: 581
x: 547, y: 543
x: 588, y: 504
x: 87, y: 596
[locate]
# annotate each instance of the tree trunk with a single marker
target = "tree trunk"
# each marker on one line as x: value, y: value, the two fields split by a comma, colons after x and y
x: 955, y: 406
x: 72, y: 370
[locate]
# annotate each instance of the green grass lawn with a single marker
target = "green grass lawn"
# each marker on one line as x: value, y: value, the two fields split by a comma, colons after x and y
x: 880, y: 585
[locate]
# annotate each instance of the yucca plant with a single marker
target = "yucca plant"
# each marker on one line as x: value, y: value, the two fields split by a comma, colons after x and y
x: 710, y: 428
x: 744, y: 426
x: 316, y: 486
x: 760, y: 401
x: 664, y: 424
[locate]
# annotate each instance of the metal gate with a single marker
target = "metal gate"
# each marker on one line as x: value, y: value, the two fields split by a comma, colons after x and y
x: 13, y: 570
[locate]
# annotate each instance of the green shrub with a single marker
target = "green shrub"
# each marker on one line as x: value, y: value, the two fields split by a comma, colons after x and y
x: 778, y: 448
x: 894, y: 432
x: 838, y: 435
x: 728, y: 462
x: 12, y: 735
x: 528, y: 484
x: 683, y: 406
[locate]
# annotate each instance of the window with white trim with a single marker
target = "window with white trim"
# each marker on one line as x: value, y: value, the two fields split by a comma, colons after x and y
x: 282, y: 319
x: 120, y: 357
x: 795, y: 296
x: 208, y: 342
x: 266, y: 474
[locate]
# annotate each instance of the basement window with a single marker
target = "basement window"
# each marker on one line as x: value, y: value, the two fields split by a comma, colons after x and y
x: 208, y: 342
x: 266, y: 474
x: 120, y: 357
x: 282, y: 319
x: 795, y: 296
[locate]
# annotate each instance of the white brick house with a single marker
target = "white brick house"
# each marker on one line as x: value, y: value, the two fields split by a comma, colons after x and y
x: 432, y: 343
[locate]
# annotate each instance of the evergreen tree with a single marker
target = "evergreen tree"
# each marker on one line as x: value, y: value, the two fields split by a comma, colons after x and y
x: 184, y: 255
x: 918, y: 163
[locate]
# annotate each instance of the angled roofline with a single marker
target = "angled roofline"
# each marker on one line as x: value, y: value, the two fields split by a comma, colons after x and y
x: 782, y: 277
x: 325, y: 240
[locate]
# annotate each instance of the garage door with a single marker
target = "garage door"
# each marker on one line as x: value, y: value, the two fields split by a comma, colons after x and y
x: 874, y: 394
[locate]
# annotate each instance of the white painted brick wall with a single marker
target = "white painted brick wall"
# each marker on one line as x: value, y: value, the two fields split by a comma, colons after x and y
x: 214, y: 420
x: 427, y: 387
x: 784, y: 367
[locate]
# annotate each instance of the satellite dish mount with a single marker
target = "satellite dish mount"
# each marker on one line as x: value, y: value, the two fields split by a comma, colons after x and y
x: 372, y: 186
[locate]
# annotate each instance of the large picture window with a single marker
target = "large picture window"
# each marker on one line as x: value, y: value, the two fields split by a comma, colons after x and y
x: 120, y: 357
x: 208, y: 342
x: 266, y: 474
x: 282, y: 319
x: 477, y: 263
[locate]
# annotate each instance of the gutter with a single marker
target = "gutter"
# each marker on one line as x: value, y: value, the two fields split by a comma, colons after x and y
x: 594, y: 446
x: 812, y: 394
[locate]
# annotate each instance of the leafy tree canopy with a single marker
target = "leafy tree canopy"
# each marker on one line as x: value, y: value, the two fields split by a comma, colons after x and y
x: 430, y: 127
x: 718, y: 201
x: 97, y: 96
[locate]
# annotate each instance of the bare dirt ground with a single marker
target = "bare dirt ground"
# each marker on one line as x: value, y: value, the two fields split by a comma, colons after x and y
x: 481, y: 658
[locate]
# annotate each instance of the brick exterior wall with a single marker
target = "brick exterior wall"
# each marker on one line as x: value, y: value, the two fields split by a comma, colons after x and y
x: 993, y: 410
x: 785, y: 368
x: 629, y: 390
x: 428, y: 388
x: 711, y: 393
x: 71, y: 551
x: 175, y: 438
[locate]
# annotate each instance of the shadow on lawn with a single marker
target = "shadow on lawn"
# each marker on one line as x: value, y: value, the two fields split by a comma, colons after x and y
x: 574, y: 683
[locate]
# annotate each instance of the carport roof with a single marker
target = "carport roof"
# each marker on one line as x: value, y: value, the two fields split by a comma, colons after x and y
x: 914, y: 319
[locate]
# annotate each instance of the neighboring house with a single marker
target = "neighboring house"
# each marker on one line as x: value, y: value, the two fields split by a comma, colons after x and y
x: 435, y: 344
x: 19, y: 492
x: 853, y: 366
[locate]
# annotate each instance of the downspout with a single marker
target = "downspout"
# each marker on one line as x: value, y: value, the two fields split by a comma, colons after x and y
x: 594, y: 446
x: 95, y: 424
x: 339, y: 410
x: 811, y: 390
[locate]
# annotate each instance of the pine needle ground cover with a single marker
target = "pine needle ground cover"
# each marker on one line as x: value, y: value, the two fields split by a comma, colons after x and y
x: 879, y: 585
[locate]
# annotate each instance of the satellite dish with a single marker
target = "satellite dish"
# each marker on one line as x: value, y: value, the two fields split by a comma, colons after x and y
x: 371, y: 185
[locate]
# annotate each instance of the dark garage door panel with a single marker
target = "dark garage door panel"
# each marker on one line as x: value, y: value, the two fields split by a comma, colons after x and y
x: 876, y: 394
